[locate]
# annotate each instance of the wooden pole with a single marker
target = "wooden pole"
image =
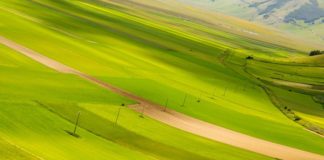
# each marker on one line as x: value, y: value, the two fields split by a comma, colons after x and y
x: 166, y: 104
x: 117, y: 115
x: 76, y: 123
x: 184, y: 100
x: 199, y: 98
x: 142, y: 113
x: 224, y: 94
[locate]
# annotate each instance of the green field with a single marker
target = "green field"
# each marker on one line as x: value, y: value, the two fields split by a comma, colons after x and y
x: 156, y: 54
x: 37, y: 112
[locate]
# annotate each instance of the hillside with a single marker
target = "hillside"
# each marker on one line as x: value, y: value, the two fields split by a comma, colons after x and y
x: 153, y: 80
x: 302, y: 17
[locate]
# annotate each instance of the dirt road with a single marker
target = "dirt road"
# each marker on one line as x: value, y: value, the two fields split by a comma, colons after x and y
x: 176, y: 119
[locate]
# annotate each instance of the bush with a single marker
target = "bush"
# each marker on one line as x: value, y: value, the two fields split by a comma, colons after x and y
x: 249, y: 58
x: 297, y: 118
x: 316, y: 52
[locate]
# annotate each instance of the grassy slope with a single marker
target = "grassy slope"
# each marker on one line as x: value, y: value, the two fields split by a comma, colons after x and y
x: 157, y: 53
x: 303, y: 105
x: 313, y: 33
x: 11, y: 152
x: 300, y: 101
x: 41, y: 130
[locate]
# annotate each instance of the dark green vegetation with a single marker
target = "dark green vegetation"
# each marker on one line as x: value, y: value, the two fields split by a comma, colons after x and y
x: 316, y: 52
x: 157, y: 54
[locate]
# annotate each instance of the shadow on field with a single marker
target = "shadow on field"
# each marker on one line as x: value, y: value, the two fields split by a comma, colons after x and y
x: 72, y: 134
x: 106, y: 129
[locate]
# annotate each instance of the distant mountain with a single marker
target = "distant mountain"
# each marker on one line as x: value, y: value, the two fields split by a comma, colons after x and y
x: 304, y: 17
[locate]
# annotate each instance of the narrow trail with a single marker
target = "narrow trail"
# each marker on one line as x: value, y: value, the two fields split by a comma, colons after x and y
x: 177, y: 119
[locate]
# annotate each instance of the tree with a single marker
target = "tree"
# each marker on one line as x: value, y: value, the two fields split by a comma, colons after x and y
x: 249, y: 58
x: 316, y: 52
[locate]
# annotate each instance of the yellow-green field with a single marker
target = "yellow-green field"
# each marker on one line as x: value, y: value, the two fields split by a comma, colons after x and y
x: 158, y: 51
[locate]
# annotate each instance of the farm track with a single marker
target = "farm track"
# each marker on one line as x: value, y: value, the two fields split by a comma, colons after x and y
x: 176, y: 119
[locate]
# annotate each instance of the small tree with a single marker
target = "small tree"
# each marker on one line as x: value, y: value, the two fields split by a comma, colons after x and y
x: 316, y: 52
x: 297, y: 118
x: 249, y: 58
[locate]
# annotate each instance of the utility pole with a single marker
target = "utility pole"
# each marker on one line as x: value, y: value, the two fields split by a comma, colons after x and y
x: 166, y: 104
x: 184, y: 100
x: 118, y: 115
x: 76, y: 123
x: 142, y: 113
x: 199, y: 98
x: 224, y: 94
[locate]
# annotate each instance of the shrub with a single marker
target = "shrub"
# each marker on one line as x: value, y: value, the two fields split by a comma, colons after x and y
x: 249, y: 58
x: 297, y: 118
x: 316, y: 52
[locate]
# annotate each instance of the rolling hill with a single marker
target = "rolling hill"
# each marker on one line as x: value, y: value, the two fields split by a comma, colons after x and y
x: 300, y: 17
x: 130, y: 66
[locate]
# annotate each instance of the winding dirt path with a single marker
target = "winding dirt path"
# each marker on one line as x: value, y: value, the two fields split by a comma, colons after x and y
x: 176, y: 119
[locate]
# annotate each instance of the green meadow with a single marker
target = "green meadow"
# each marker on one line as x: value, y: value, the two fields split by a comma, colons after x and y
x: 190, y: 66
x: 39, y: 106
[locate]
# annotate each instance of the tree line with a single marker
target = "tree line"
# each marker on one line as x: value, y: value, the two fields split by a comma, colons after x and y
x: 316, y: 52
